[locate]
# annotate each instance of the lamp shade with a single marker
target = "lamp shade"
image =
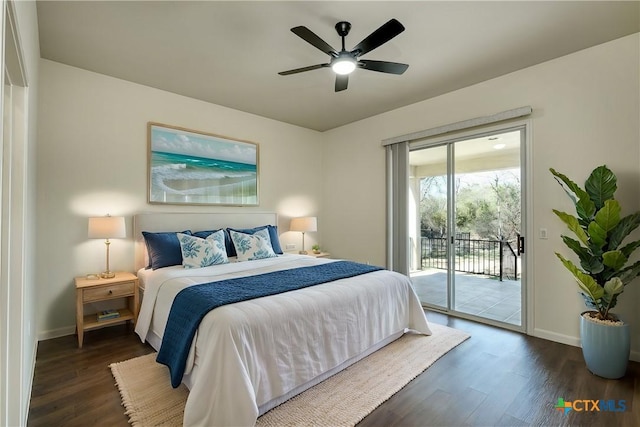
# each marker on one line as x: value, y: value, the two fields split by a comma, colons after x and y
x: 306, y: 223
x: 107, y: 227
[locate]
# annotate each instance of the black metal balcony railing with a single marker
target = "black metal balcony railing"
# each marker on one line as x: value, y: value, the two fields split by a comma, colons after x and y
x: 494, y: 258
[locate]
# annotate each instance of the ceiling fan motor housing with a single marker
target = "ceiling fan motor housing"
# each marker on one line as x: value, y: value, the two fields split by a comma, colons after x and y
x: 343, y: 28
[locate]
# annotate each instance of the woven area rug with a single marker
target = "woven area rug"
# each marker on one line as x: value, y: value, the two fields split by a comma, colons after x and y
x: 150, y: 400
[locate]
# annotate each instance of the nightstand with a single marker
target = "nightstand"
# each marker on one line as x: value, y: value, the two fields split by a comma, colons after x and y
x: 320, y: 255
x: 123, y: 285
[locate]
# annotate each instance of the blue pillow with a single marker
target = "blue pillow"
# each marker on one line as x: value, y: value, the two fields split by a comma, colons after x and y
x: 273, y: 234
x: 163, y: 248
x: 228, y: 245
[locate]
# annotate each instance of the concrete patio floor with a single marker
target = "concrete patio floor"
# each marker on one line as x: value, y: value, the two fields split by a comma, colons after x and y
x: 475, y: 294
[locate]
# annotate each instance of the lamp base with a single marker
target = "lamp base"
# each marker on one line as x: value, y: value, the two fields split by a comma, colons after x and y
x: 107, y: 274
x: 303, y: 253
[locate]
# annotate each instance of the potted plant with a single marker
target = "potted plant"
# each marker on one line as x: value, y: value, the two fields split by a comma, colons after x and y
x: 315, y: 249
x: 603, y: 270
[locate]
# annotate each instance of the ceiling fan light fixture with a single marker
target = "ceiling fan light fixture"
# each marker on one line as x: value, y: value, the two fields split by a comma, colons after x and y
x: 343, y: 65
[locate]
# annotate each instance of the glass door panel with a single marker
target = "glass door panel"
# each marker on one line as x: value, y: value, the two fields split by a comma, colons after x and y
x: 428, y: 182
x: 466, y: 224
x: 487, y: 227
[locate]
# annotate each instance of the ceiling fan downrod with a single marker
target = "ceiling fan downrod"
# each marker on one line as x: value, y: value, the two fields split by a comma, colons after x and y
x: 343, y: 28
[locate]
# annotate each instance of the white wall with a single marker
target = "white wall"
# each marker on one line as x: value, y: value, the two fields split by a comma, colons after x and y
x: 585, y: 113
x: 92, y: 160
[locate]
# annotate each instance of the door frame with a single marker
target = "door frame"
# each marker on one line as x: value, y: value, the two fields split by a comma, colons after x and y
x: 16, y: 350
x: 526, y: 209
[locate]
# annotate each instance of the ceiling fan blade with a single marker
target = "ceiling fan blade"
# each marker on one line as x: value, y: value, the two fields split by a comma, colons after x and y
x: 303, y: 69
x: 341, y: 82
x: 383, y: 66
x: 379, y: 37
x: 311, y: 38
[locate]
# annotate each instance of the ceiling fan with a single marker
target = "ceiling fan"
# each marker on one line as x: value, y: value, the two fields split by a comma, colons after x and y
x: 345, y: 61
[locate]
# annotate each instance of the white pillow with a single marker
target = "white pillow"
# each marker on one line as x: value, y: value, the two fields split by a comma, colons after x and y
x: 252, y: 246
x: 197, y: 252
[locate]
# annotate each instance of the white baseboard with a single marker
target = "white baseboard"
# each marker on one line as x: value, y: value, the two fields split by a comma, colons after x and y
x: 56, y: 333
x: 573, y: 341
x: 554, y: 336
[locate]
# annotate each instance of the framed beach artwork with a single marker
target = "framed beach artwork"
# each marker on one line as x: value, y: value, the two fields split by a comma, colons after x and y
x: 188, y: 167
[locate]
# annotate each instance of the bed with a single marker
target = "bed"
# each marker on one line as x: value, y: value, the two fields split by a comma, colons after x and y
x: 250, y: 356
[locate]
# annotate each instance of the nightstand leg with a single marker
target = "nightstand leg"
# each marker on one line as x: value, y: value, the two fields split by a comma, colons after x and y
x: 79, y: 316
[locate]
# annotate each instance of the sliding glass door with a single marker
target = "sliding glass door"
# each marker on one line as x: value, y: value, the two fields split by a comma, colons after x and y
x: 465, y: 219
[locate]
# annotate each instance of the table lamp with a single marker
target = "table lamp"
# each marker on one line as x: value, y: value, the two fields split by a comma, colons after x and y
x: 107, y: 227
x: 304, y: 224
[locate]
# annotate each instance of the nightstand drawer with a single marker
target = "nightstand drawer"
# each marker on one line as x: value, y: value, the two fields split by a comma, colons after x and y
x: 115, y: 290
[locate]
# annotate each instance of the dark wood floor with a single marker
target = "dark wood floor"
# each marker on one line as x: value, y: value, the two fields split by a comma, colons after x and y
x: 497, y: 377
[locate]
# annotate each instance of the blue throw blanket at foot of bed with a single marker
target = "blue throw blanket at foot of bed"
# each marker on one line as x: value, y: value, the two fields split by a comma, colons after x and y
x: 193, y: 303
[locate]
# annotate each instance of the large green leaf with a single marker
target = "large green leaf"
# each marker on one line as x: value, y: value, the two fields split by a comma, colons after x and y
x: 575, y: 246
x: 592, y: 265
x: 614, y: 286
x: 585, y: 208
x: 609, y: 216
x: 568, y: 185
x: 623, y: 229
x: 612, y: 289
x: 574, y: 225
x: 629, y: 273
x: 629, y: 248
x: 597, y: 235
x: 614, y: 259
x: 588, y: 262
x: 587, y: 284
x: 601, y: 185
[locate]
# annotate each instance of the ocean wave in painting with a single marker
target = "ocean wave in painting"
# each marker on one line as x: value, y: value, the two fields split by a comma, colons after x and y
x: 175, y: 174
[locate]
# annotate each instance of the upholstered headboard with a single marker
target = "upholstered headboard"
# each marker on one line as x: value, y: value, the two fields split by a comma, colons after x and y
x: 157, y: 222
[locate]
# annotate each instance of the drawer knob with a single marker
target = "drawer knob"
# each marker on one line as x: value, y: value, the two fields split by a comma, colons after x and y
x: 110, y: 292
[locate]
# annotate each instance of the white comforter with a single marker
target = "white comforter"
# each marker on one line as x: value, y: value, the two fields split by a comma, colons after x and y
x: 251, y: 356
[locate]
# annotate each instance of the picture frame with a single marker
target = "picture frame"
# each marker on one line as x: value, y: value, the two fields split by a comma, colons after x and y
x: 189, y: 167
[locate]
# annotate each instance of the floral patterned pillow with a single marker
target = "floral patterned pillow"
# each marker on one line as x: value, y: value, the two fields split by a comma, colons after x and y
x: 197, y: 252
x: 252, y: 246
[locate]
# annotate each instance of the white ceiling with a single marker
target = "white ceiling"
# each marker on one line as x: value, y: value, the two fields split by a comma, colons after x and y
x: 229, y: 53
